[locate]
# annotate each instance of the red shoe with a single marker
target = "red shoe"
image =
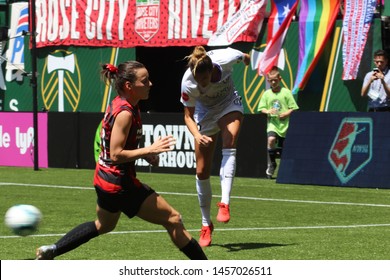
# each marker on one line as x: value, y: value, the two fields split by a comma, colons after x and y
x: 223, y: 212
x: 205, y: 235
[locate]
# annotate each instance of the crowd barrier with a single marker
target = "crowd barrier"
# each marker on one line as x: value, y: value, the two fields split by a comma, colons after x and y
x: 330, y: 148
x: 68, y: 142
x: 337, y: 149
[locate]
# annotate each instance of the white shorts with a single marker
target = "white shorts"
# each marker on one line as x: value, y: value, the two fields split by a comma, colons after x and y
x: 207, y: 118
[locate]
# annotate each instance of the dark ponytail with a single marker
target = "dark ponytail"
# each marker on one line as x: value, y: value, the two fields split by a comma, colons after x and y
x: 118, y: 76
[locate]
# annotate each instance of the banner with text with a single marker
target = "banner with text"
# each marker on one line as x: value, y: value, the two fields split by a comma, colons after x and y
x: 125, y: 23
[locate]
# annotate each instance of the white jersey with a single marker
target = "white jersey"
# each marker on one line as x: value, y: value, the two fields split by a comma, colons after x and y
x: 377, y: 96
x: 216, y: 93
x: 218, y: 98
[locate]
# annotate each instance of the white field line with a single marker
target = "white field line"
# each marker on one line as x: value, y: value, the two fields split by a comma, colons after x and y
x: 224, y: 229
x: 192, y: 194
x: 221, y: 229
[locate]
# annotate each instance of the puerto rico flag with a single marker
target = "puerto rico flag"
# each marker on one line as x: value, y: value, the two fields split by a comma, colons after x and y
x: 282, y: 12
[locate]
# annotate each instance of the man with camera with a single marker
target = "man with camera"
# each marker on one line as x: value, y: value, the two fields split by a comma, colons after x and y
x: 376, y: 84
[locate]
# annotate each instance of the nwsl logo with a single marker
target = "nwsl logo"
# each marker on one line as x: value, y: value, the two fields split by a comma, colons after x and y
x: 352, y: 147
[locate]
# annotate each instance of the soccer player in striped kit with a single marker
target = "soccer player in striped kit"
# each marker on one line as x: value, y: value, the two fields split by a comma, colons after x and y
x: 117, y: 187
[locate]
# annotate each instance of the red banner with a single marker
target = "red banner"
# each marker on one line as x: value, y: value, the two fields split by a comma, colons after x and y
x: 131, y: 23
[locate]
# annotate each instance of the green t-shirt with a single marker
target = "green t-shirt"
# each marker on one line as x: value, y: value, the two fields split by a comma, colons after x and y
x: 96, y: 144
x: 282, y: 101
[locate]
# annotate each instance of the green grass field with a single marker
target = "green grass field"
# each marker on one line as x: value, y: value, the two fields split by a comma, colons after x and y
x: 270, y: 221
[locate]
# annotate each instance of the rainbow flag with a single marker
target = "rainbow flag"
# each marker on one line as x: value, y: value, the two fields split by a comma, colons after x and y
x: 316, y: 21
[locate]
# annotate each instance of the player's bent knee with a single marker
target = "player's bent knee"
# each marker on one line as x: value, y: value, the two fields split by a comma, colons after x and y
x: 102, y: 229
x: 176, y: 218
x: 180, y: 219
x: 174, y: 221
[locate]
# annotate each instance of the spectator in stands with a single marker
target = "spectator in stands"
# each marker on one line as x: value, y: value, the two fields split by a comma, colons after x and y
x: 376, y: 84
x: 212, y: 105
x: 277, y: 103
x: 117, y: 187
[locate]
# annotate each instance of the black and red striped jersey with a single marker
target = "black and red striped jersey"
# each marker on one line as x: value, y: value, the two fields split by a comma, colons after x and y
x: 109, y: 176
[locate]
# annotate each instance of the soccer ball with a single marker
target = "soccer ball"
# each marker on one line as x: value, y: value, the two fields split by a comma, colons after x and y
x: 23, y: 219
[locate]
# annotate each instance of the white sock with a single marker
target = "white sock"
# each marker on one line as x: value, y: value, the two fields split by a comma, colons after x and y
x: 203, y: 188
x: 227, y: 172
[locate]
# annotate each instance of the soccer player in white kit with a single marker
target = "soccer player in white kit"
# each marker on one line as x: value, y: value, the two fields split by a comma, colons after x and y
x: 212, y: 106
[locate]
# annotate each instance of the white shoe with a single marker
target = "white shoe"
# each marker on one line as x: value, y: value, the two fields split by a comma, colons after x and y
x: 271, y: 170
x: 46, y: 252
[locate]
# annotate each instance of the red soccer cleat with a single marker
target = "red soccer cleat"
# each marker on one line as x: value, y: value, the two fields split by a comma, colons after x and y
x: 223, y: 212
x: 205, y: 235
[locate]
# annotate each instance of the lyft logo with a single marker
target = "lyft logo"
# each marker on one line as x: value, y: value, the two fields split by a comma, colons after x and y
x: 352, y: 147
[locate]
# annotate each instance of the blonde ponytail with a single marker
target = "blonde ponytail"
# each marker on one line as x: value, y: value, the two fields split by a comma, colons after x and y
x: 199, y: 61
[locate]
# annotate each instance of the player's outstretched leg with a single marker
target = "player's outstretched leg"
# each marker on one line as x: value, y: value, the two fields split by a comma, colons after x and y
x: 81, y: 234
x: 156, y: 209
x: 73, y: 239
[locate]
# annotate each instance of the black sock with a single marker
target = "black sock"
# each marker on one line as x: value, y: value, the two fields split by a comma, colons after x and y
x: 76, y: 237
x: 193, y: 251
x: 271, y: 156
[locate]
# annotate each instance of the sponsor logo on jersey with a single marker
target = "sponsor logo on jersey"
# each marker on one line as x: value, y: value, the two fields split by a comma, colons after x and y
x: 185, y: 96
x: 351, y: 150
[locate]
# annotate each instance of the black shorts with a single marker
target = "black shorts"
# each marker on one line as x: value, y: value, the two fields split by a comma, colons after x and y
x: 279, y: 139
x: 127, y: 201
